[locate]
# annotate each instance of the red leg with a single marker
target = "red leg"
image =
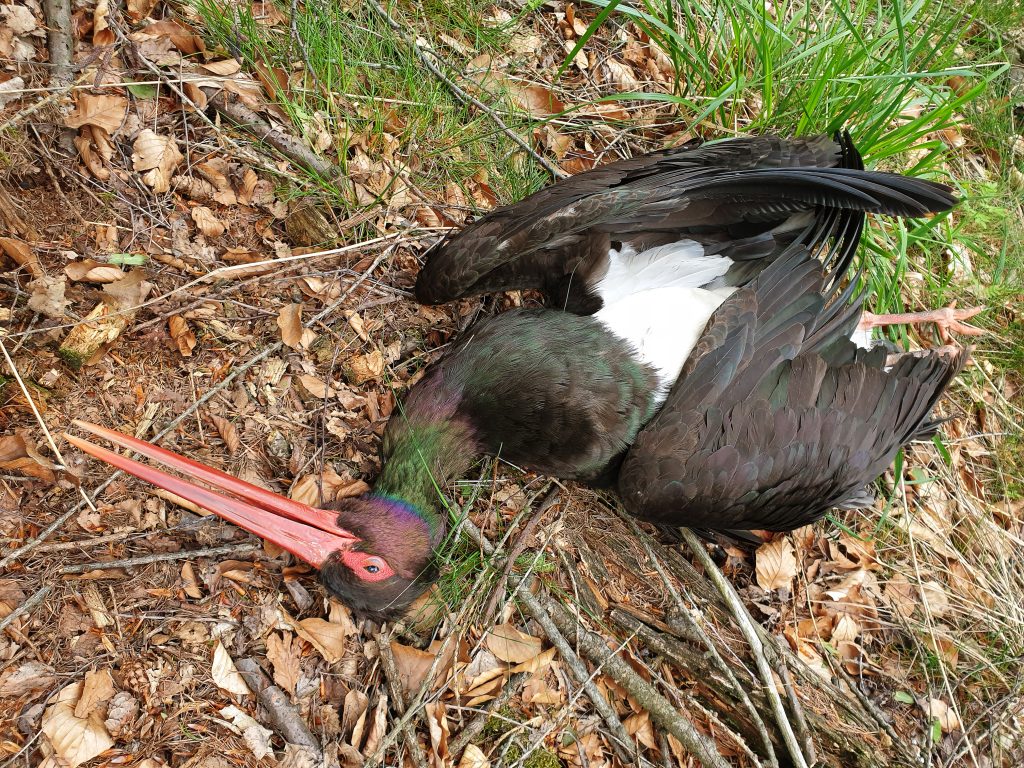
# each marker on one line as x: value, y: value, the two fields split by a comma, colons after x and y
x: 948, y: 321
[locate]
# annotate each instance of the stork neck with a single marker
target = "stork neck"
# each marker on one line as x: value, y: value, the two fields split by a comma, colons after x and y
x: 421, y: 459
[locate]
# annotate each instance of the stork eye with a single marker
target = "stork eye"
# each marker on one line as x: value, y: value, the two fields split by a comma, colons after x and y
x: 372, y: 568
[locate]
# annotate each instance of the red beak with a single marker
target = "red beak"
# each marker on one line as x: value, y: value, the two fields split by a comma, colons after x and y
x: 307, y: 532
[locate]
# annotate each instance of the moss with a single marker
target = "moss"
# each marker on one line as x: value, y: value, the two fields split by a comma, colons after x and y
x: 499, y: 722
x: 542, y: 758
x: 72, y: 359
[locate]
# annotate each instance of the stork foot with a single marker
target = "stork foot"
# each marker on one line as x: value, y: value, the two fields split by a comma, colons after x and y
x: 948, y: 321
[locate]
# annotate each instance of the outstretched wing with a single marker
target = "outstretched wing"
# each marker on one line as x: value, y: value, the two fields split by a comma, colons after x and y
x: 777, y: 417
x: 729, y: 195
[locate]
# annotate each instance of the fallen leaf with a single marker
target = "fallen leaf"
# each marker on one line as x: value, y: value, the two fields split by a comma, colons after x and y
x: 284, y: 655
x: 224, y: 673
x: 76, y: 740
x: 307, y: 489
x: 157, y: 157
x: 106, y: 111
x: 437, y: 724
x: 48, y: 296
x: 92, y: 271
x: 97, y: 689
x: 18, y: 454
x: 255, y: 736
x: 207, y: 222
x: 474, y: 757
x: 228, y: 433
x: 379, y: 725
x: 189, y: 582
x: 289, y: 320
x: 512, y: 646
x: 22, y: 254
x: 937, y: 709
x: 413, y: 665
x: 776, y: 564
x: 366, y: 367
x: 327, y: 637
x: 535, y: 99
x: 181, y: 334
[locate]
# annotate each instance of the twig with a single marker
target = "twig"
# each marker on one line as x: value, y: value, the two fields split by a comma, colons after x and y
x: 798, y: 714
x: 661, y: 710
x: 466, y: 98
x: 92, y: 541
x: 746, y: 626
x: 387, y: 664
x: 621, y: 740
x: 55, y: 95
x: 25, y: 607
x: 698, y: 631
x: 285, y: 717
x: 476, y: 726
x: 60, y: 42
x: 162, y: 557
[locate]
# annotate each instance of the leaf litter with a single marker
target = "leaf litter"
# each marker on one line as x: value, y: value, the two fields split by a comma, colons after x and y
x: 196, y: 208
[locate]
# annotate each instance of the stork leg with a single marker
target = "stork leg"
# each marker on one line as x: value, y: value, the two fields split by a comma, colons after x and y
x: 948, y: 320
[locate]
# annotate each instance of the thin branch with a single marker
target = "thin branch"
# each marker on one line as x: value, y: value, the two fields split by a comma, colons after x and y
x: 394, y: 683
x: 25, y: 607
x: 746, y: 625
x: 162, y: 557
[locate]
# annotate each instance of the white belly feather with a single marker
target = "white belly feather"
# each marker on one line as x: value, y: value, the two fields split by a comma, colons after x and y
x: 652, y: 300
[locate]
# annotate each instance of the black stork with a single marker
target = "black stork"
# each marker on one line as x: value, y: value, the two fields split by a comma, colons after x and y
x: 695, y: 351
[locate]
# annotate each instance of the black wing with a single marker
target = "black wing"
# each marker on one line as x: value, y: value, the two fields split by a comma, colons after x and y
x: 777, y: 417
x: 733, y: 196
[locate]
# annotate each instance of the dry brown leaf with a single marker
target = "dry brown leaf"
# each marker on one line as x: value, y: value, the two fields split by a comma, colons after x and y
x: 413, y: 664
x: 22, y: 254
x: 76, y: 740
x: 536, y: 663
x: 289, y: 320
x: 776, y: 564
x: 96, y: 690
x: 157, y: 157
x: 181, y: 334
x: 92, y: 271
x: 307, y: 488
x: 139, y: 9
x: 327, y: 637
x: 366, y: 367
x: 228, y: 433
x: 256, y: 737
x: 937, y: 709
x: 224, y: 673
x: 189, y: 583
x: 207, y: 222
x: 223, y: 68
x: 846, y: 629
x: 535, y: 99
x: 474, y: 757
x: 352, y: 710
x: 30, y: 676
x: 102, y: 34
x: 379, y: 726
x: 639, y: 727
x: 106, y: 111
x: 437, y: 723
x: 511, y: 645
x: 316, y: 386
x: 284, y: 655
x: 48, y: 296
x: 18, y: 454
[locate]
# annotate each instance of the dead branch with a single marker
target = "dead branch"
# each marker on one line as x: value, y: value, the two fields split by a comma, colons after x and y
x: 746, y: 625
x: 162, y: 557
x: 391, y: 677
x: 285, y: 717
x: 25, y: 607
x: 59, y: 39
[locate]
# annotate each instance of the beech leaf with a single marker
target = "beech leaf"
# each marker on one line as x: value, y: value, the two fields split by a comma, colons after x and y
x: 511, y: 645
x: 224, y: 673
x: 776, y: 564
x: 76, y: 740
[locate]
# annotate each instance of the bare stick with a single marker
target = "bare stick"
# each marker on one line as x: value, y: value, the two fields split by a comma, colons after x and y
x: 93, y: 541
x: 58, y: 24
x: 746, y: 626
x: 466, y: 98
x: 661, y: 710
x: 25, y: 607
x: 622, y: 740
x: 285, y: 717
x: 387, y: 664
x: 162, y: 557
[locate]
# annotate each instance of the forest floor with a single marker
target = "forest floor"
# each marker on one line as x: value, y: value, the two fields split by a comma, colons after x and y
x: 210, y: 223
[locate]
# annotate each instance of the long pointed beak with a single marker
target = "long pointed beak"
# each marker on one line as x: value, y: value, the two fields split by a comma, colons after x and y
x: 307, y: 532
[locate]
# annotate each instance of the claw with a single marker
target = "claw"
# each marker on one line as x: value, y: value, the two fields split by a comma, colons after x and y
x: 947, y: 321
